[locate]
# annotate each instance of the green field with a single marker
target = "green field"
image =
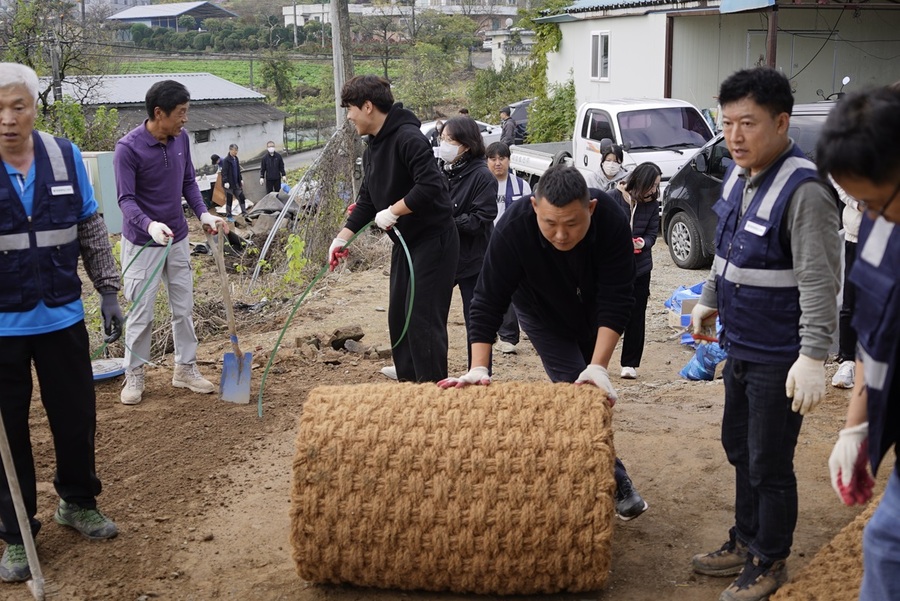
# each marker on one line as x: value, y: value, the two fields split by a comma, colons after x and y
x: 237, y: 71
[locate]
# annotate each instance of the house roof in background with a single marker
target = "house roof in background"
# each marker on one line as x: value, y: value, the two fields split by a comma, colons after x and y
x: 210, y: 116
x: 584, y: 6
x: 132, y: 89
x: 202, y: 10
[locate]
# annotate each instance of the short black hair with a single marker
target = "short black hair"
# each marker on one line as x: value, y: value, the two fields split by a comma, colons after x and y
x: 642, y: 180
x: 859, y: 137
x: 767, y: 87
x: 506, y: 110
x: 497, y: 149
x: 466, y: 132
x: 561, y: 185
x: 215, y: 159
x: 166, y: 95
x: 361, y: 88
x: 463, y: 111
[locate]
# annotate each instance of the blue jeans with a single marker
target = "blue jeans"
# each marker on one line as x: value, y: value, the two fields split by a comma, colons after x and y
x: 881, y: 548
x: 759, y: 434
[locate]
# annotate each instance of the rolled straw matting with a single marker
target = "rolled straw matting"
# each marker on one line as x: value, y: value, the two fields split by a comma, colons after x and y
x: 504, y: 489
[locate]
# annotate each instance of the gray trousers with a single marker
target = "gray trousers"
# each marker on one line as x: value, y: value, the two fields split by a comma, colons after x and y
x: 178, y: 278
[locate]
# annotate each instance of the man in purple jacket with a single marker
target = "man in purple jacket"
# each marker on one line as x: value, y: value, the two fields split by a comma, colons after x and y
x: 153, y: 171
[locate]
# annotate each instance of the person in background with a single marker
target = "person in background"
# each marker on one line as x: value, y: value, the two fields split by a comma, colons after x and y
x: 233, y: 182
x: 48, y: 219
x: 611, y: 171
x: 851, y: 218
x: 271, y: 170
x: 858, y: 149
x: 464, y: 112
x: 566, y: 261
x: 473, y: 192
x: 403, y: 188
x: 639, y: 197
x: 507, y: 127
x: 153, y: 171
x: 510, y: 188
x: 773, y: 284
x: 436, y: 133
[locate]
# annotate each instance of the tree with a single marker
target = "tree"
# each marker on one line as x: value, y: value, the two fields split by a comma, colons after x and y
x: 92, y: 131
x: 277, y: 72
x: 186, y: 23
x: 422, y: 78
x: 552, y: 117
x: 493, y: 89
x: 382, y: 30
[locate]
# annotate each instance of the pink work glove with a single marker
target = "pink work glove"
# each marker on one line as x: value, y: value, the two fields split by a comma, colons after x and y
x: 848, y: 465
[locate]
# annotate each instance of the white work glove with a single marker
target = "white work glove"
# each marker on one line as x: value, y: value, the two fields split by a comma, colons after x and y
x: 212, y: 222
x: 335, y: 254
x: 227, y: 186
x: 805, y: 384
x: 477, y: 375
x: 385, y: 219
x: 848, y: 465
x: 638, y: 243
x: 703, y: 320
x: 262, y: 181
x: 160, y: 232
x: 599, y: 377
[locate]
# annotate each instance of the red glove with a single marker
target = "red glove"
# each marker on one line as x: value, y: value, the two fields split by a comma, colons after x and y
x: 851, y: 455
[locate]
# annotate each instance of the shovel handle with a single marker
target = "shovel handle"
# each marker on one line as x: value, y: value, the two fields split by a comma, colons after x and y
x: 226, y: 291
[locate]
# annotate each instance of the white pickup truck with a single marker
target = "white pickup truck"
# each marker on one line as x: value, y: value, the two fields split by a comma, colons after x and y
x: 666, y: 132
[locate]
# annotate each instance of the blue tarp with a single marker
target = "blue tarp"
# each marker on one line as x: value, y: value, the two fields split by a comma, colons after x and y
x: 738, y: 6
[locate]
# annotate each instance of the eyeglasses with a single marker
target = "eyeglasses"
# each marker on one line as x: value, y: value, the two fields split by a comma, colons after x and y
x: 864, y: 205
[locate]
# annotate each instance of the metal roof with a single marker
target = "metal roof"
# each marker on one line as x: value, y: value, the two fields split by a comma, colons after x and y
x: 210, y: 116
x: 175, y: 9
x: 583, y: 6
x: 132, y: 89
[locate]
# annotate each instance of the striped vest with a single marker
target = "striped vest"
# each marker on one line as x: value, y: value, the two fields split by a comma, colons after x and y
x: 876, y: 319
x: 756, y: 290
x: 39, y: 254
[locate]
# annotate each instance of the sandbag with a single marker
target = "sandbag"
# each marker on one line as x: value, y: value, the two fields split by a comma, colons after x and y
x: 504, y: 489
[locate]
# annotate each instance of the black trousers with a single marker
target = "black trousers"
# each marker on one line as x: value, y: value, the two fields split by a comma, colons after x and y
x: 62, y: 362
x: 467, y: 293
x: 633, y: 338
x: 421, y: 356
x: 273, y: 185
x: 846, y: 334
x: 509, y: 329
x: 229, y: 201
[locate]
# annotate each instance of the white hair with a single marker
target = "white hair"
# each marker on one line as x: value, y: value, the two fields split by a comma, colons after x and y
x: 15, y: 74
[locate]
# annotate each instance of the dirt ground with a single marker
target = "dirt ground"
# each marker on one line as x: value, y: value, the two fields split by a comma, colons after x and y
x: 200, y: 488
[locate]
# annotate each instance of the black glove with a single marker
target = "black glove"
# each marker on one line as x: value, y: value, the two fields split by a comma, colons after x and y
x: 112, y: 316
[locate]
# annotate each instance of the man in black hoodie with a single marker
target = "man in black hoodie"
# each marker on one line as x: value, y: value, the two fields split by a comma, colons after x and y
x: 402, y: 188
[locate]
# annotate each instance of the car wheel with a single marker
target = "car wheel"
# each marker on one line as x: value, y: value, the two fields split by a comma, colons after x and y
x: 684, y: 243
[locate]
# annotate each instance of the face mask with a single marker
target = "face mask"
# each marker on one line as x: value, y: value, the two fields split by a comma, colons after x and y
x: 271, y: 149
x: 611, y: 168
x: 448, y: 151
x: 652, y: 196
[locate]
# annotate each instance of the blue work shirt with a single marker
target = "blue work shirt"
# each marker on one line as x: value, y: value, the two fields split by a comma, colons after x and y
x: 42, y: 319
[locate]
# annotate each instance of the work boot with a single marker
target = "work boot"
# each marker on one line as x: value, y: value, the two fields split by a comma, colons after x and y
x: 188, y: 376
x: 629, y: 504
x: 14, y: 564
x: 134, y: 387
x: 89, y: 522
x: 727, y: 561
x: 845, y: 375
x: 756, y: 582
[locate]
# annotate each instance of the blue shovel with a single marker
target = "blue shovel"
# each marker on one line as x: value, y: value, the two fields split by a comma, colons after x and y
x: 234, y: 385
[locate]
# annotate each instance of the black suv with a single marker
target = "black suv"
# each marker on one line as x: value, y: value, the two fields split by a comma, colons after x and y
x: 688, y: 222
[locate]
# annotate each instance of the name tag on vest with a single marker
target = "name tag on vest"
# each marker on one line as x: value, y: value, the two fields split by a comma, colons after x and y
x: 755, y: 228
x: 61, y: 190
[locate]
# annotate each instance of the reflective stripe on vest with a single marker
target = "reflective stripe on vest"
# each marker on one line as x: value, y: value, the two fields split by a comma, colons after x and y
x: 876, y: 244
x: 875, y: 371
x: 768, y: 278
x: 57, y: 162
x: 788, y: 168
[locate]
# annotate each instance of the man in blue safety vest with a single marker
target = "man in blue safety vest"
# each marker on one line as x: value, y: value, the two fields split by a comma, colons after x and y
x: 773, y: 284
x: 858, y: 148
x: 48, y: 218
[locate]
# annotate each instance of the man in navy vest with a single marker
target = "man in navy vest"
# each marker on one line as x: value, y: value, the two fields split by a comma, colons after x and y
x: 858, y: 148
x: 773, y: 283
x: 48, y: 218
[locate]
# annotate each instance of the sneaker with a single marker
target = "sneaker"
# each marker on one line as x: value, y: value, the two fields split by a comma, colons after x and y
x: 845, y: 375
x: 729, y: 560
x: 756, y: 582
x: 390, y: 371
x: 506, y: 347
x: 628, y: 373
x: 134, y: 387
x: 89, y: 522
x: 629, y: 504
x: 14, y: 564
x: 188, y: 376
x: 229, y: 219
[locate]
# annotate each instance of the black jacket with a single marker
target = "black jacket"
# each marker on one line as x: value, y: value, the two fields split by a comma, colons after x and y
x: 508, y: 132
x: 473, y: 192
x: 399, y: 163
x: 231, y: 172
x: 573, y: 293
x: 272, y: 167
x: 644, y: 224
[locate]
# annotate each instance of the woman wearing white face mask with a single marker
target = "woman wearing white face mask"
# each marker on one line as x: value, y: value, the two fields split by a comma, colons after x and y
x: 473, y: 192
x: 611, y: 170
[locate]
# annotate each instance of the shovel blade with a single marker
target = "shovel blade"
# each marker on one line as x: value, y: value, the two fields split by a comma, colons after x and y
x: 234, y: 385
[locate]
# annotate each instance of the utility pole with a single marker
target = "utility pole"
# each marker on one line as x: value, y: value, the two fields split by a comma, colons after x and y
x: 54, y: 66
x: 295, y: 23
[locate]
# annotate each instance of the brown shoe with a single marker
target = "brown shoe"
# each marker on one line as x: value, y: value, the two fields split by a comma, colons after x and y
x: 756, y: 582
x: 727, y: 561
